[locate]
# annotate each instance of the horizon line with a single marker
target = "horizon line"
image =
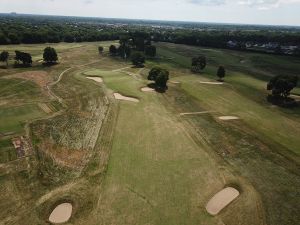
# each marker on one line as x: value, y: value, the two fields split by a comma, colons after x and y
x: 156, y: 20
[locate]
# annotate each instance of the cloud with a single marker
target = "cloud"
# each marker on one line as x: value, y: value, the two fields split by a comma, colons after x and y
x: 266, y: 4
x: 208, y: 2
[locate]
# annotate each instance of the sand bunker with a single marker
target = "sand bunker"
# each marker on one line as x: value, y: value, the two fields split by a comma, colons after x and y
x: 221, y: 200
x: 147, y: 89
x: 122, y: 97
x: 196, y: 113
x: 97, y: 79
x: 207, y: 82
x: 228, y: 118
x: 175, y: 82
x: 61, y: 214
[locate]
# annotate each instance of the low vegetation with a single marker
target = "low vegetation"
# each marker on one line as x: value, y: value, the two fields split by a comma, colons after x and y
x: 158, y: 158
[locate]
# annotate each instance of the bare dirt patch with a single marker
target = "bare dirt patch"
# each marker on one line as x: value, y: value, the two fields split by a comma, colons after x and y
x: 96, y: 79
x: 220, y: 200
x: 22, y: 146
x: 118, y: 96
x: 45, y: 108
x: 39, y: 77
x: 61, y: 214
x: 147, y: 89
x: 209, y: 82
x: 229, y: 118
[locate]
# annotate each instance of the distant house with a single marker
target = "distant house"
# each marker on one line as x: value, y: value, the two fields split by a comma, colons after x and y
x: 232, y: 44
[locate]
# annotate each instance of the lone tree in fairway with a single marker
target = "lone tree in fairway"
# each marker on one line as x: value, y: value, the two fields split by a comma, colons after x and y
x: 100, y: 50
x: 50, y: 55
x: 221, y: 73
x: 137, y: 59
x: 198, y: 64
x: 282, y: 85
x: 4, y: 57
x: 23, y: 57
x: 160, y: 76
x: 113, y: 50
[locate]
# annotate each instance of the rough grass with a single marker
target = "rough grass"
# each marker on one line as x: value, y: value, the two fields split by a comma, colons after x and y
x: 121, y: 162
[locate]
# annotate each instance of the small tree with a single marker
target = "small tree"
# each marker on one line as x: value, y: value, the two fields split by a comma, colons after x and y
x: 150, y: 51
x: 162, y: 79
x: 113, y: 50
x: 137, y: 59
x: 124, y: 51
x: 221, y: 73
x: 4, y: 57
x: 50, y: 55
x: 160, y: 76
x: 282, y: 85
x: 23, y: 57
x: 198, y: 64
x: 100, y: 50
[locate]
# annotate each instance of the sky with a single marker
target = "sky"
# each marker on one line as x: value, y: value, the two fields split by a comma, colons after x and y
x: 273, y: 12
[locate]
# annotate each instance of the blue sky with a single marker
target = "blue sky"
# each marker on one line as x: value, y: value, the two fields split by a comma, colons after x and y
x: 275, y: 12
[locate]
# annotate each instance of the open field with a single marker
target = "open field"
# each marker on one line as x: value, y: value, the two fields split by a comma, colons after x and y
x: 157, y: 160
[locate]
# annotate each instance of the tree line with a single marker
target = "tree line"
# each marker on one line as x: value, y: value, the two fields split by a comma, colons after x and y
x: 29, y: 30
x: 24, y: 59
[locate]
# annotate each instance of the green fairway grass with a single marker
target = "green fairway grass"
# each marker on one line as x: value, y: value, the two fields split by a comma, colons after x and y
x: 122, y: 162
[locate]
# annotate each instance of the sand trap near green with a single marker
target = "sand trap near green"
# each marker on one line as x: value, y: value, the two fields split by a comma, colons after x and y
x: 96, y: 79
x: 229, y: 118
x: 208, y: 82
x: 195, y: 113
x: 147, y: 89
x: 220, y: 200
x: 61, y: 214
x: 118, y: 96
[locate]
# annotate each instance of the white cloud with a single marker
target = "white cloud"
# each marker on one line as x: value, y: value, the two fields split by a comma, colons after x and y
x: 266, y: 4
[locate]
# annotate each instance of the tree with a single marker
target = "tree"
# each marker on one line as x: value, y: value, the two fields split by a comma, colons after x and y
x: 100, y: 50
x: 4, y: 57
x: 50, y: 55
x: 137, y: 59
x: 160, y: 76
x: 24, y: 57
x: 198, y: 64
x: 113, y: 50
x: 282, y: 85
x: 124, y: 51
x: 162, y: 79
x: 150, y: 50
x: 221, y: 73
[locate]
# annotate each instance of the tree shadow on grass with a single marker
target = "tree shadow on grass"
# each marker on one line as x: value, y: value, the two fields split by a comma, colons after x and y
x: 48, y: 64
x: 158, y: 89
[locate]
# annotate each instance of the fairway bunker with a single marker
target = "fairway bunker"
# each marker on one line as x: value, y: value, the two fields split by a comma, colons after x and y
x: 61, y: 214
x: 147, y: 89
x: 208, y: 82
x: 118, y: 96
x: 96, y: 79
x: 229, y: 118
x: 220, y: 200
x: 195, y: 113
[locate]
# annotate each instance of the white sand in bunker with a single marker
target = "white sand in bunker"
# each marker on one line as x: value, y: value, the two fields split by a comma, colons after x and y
x: 195, y: 113
x: 220, y: 200
x: 208, y: 82
x: 229, y: 118
x: 118, y: 96
x: 61, y: 214
x: 147, y: 89
x: 97, y: 79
